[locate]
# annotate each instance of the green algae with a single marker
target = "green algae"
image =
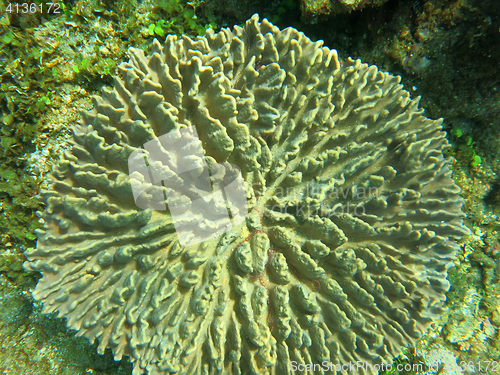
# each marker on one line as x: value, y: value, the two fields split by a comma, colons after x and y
x: 18, y: 204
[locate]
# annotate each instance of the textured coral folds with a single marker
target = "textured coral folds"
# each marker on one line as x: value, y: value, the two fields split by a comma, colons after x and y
x: 352, y: 213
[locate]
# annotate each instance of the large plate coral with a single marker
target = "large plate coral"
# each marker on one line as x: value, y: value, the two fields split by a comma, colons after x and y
x: 349, y: 225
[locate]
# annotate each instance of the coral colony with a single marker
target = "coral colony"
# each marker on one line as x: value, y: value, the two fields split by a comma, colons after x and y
x: 200, y: 222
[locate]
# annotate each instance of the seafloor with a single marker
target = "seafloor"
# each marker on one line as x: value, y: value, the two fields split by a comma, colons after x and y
x: 446, y: 51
